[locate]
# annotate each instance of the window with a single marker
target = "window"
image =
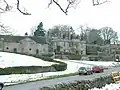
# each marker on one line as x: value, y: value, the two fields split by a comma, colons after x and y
x: 7, y: 48
x: 32, y: 42
x: 64, y: 44
x: 58, y: 48
x: 20, y: 42
x: 81, y: 52
x: 37, y: 51
x: 15, y: 50
x: 22, y: 50
x: 64, y: 50
x: 76, y: 52
x: 44, y: 50
x: 30, y: 49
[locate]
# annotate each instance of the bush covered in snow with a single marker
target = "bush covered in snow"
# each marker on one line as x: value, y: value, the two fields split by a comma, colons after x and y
x: 30, y: 64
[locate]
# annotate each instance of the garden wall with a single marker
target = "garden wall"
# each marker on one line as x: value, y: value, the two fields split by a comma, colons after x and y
x: 82, y: 85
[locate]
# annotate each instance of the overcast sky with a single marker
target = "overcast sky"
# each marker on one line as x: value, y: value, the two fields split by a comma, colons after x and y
x: 107, y: 14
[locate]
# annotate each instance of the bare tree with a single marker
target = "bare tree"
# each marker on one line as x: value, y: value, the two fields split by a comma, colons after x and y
x: 70, y: 4
x: 6, y: 30
x: 84, y: 31
x: 108, y: 34
x: 5, y: 6
x: 32, y: 30
x: 61, y: 31
x: 74, y: 3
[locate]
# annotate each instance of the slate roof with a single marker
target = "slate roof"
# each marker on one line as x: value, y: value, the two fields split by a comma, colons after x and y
x: 9, y: 38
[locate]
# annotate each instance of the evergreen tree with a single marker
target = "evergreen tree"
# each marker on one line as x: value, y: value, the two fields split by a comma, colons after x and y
x: 39, y: 31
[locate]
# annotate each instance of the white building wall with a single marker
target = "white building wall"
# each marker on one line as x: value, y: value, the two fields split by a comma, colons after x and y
x: 11, y: 46
x: 27, y: 46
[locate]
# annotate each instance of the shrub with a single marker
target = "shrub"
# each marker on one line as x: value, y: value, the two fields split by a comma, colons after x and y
x: 19, y: 70
x: 26, y: 70
x: 60, y: 67
x: 74, y: 57
x: 45, y: 58
x: 48, y: 55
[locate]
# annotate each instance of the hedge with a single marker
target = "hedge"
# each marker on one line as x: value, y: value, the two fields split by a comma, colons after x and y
x: 48, y: 55
x: 82, y: 85
x: 60, y: 66
x: 24, y: 70
x: 74, y: 57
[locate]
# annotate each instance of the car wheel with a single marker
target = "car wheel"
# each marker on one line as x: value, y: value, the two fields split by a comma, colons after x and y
x: 88, y: 73
x: 1, y: 87
x: 91, y: 72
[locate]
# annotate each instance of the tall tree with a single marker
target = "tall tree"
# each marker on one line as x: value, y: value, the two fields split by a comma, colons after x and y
x: 83, y: 32
x: 39, y: 31
x: 62, y: 31
x: 108, y: 34
x: 94, y: 37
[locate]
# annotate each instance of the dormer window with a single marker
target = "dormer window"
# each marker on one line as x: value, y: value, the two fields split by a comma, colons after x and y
x: 20, y: 42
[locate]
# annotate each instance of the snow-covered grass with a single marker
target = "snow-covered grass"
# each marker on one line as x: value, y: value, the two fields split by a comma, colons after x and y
x: 99, y: 63
x: 12, y: 60
x: 19, y: 78
x: 115, y: 86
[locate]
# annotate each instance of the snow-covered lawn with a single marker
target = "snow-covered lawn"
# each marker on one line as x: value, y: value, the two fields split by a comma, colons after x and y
x: 12, y: 60
x: 115, y: 86
x: 18, y: 78
x: 99, y: 63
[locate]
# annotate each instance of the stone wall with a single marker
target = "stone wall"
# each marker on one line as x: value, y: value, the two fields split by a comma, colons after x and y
x: 82, y: 85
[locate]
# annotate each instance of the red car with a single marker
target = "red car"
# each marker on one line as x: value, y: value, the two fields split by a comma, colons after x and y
x: 97, y: 69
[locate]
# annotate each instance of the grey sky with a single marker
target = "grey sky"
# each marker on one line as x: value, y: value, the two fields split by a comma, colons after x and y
x: 107, y: 14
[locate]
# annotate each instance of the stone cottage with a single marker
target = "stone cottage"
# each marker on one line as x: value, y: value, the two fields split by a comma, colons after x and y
x: 23, y: 44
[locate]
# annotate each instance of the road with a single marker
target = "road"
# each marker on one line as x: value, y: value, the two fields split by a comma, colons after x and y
x: 39, y: 84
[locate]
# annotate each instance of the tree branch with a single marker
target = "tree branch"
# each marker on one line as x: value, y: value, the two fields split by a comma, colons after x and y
x: 64, y: 11
x: 6, y: 8
x: 70, y: 4
x: 4, y: 29
x: 97, y: 2
x: 23, y: 12
x: 49, y: 3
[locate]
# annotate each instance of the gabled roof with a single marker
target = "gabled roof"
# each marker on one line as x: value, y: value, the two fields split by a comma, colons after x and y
x: 9, y: 38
